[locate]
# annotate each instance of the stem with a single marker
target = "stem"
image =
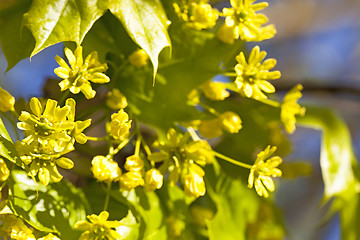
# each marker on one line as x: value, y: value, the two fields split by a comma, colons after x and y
x: 193, y: 134
x: 96, y: 138
x: 137, y: 145
x: 209, y: 109
x: 63, y: 97
x: 270, y: 102
x: 233, y: 161
x: 107, y: 196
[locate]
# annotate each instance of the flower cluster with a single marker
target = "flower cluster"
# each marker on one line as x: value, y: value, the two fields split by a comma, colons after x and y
x: 49, y: 132
x: 182, y: 157
x: 105, y: 169
x: 120, y: 125
x: 80, y: 73
x: 263, y: 169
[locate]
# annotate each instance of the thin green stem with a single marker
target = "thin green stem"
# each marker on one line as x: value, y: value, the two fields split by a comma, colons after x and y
x: 270, y: 102
x: 233, y: 161
x: 209, y: 109
x: 96, y: 138
x: 63, y: 97
x: 137, y: 145
x: 107, y: 198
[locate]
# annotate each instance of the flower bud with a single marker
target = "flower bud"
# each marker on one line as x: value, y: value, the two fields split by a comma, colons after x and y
x: 4, y: 171
x: 7, y: 101
x: 116, y: 100
x: 215, y: 91
x: 134, y: 163
x: 153, y: 180
x: 131, y: 180
x: 120, y: 125
x: 210, y: 128
x: 105, y: 169
x: 230, y: 122
x: 194, y: 185
x: 138, y: 58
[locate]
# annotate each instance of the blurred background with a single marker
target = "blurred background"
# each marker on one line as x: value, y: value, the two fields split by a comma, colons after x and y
x: 318, y: 45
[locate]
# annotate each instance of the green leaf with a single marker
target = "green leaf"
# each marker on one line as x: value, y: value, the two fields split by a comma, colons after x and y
x: 53, y: 208
x: 7, y: 148
x: 54, y: 21
x: 147, y: 208
x: 16, y: 43
x: 338, y: 163
x: 236, y: 206
x: 129, y: 229
x: 146, y: 23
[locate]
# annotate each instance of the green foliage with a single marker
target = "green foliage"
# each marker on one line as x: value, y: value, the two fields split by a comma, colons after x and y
x: 115, y: 29
x: 55, y: 208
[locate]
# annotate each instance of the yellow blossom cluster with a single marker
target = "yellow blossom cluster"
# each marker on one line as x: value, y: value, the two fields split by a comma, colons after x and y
x: 50, y: 131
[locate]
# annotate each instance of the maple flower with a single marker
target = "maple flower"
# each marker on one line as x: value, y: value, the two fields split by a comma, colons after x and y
x: 7, y: 101
x: 120, y: 125
x: 153, y: 180
x: 115, y: 100
x: 98, y: 227
x: 139, y: 58
x: 47, y: 125
x: 252, y: 76
x: 194, y: 185
x: 215, y: 91
x: 263, y: 169
x: 245, y: 22
x: 80, y: 73
x: 200, y: 151
x: 105, y: 170
x: 290, y: 108
x: 4, y: 170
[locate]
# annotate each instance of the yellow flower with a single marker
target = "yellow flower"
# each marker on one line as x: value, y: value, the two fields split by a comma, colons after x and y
x: 4, y: 171
x: 199, y: 151
x: 138, y: 58
x: 263, y: 169
x: 153, y: 180
x: 252, y: 76
x: 116, y: 100
x: 230, y: 122
x: 98, y: 227
x: 50, y: 236
x: 47, y: 126
x: 197, y: 15
x: 203, y: 16
x: 120, y: 125
x: 79, y: 73
x: 134, y: 164
x: 15, y: 228
x: 105, y: 170
x: 131, y: 180
x: 290, y: 108
x: 215, y: 91
x: 244, y: 20
x: 194, y: 185
x: 7, y: 101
